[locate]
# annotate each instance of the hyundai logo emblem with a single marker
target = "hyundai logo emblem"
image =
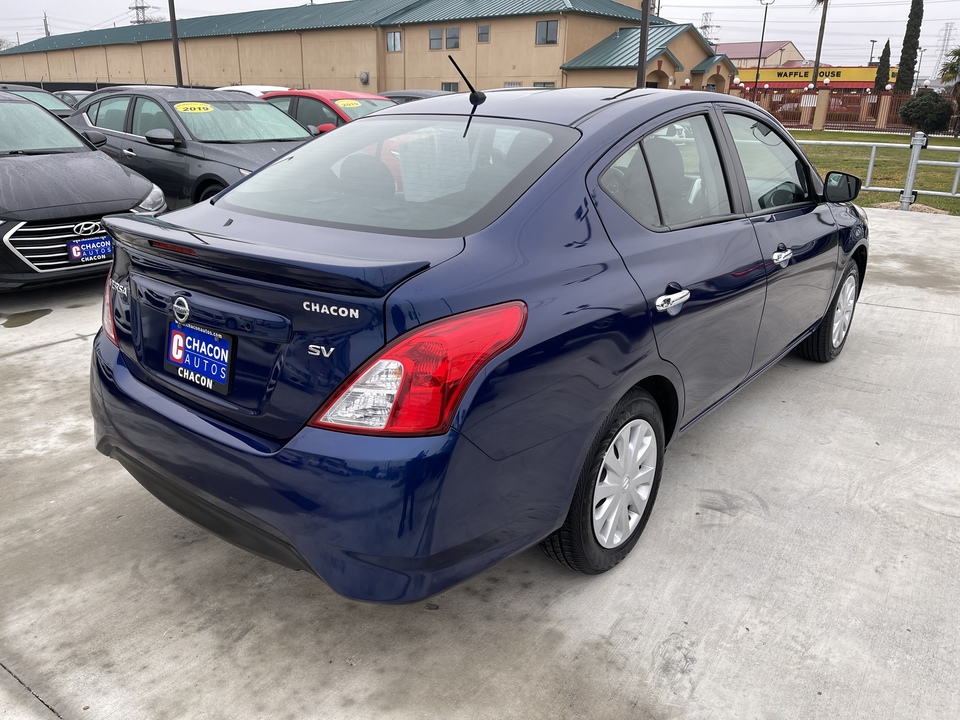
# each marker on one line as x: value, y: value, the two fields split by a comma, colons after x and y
x: 91, y: 227
x: 181, y: 309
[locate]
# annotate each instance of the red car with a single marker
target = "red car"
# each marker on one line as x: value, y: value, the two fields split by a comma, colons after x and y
x: 325, y: 108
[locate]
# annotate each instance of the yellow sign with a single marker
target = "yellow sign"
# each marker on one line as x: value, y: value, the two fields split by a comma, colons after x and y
x: 348, y: 103
x: 805, y: 74
x: 192, y: 107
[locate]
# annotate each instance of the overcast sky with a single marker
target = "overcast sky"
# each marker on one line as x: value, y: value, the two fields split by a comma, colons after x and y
x: 851, y: 24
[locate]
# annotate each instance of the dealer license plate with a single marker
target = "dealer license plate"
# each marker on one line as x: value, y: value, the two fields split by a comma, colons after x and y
x: 199, y: 356
x: 90, y: 250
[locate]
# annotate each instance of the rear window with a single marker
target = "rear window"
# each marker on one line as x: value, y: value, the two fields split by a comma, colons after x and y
x: 357, y: 108
x: 43, y: 99
x: 406, y: 175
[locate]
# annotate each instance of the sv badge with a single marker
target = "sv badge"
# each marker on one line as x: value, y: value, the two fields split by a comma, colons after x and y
x: 318, y: 350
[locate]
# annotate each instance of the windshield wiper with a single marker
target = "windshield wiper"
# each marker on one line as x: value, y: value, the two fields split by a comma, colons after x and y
x: 40, y: 151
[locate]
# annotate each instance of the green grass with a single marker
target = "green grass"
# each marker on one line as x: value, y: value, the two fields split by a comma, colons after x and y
x: 890, y: 168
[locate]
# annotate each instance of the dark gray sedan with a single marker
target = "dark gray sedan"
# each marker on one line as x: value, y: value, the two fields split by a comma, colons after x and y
x: 192, y: 143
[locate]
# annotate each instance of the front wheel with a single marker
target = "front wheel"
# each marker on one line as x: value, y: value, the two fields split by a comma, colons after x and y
x: 827, y: 342
x: 209, y: 191
x: 616, y: 489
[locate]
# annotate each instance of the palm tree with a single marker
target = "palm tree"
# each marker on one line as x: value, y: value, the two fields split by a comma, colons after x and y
x: 950, y: 71
x: 823, y: 26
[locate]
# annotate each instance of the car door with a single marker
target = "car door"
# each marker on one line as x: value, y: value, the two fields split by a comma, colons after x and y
x: 666, y: 205
x: 313, y: 112
x: 797, y: 233
x: 167, y: 166
x: 110, y: 117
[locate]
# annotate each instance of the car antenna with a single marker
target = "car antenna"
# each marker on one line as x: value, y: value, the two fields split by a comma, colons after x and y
x: 476, y: 97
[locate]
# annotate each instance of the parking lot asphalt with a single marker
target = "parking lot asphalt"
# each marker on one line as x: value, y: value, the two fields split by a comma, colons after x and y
x: 802, y: 560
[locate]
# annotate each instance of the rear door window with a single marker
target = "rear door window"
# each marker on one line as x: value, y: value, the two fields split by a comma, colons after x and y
x: 112, y: 113
x: 672, y: 177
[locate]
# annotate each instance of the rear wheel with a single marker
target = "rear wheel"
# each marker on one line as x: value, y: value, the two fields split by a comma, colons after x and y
x: 828, y: 341
x: 616, y: 490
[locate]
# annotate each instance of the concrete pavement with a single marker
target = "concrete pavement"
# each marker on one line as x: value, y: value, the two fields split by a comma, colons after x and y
x: 802, y: 561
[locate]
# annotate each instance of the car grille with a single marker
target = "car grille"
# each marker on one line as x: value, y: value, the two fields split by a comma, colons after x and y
x: 43, y: 246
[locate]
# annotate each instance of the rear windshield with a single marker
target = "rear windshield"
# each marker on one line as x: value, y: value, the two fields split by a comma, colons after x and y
x: 43, y: 99
x: 360, y: 107
x: 406, y: 175
x: 237, y: 121
x: 26, y: 128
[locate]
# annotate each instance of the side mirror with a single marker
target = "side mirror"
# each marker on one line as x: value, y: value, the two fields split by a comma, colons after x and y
x: 839, y: 187
x: 96, y: 138
x: 162, y: 136
x: 325, y: 128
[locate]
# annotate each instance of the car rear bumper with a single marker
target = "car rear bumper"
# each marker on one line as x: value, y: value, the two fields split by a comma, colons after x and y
x: 377, y: 519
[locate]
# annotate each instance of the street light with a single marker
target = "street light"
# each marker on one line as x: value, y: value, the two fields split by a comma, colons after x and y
x: 766, y: 6
x: 916, y: 69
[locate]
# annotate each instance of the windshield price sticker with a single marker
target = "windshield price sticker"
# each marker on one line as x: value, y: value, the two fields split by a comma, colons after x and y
x: 199, y: 356
x: 348, y: 103
x: 193, y: 107
x: 90, y: 250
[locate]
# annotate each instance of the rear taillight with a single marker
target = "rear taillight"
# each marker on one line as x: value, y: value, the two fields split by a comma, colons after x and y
x: 415, y: 384
x: 106, y: 317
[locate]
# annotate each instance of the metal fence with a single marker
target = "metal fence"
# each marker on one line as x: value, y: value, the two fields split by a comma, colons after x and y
x: 917, y: 144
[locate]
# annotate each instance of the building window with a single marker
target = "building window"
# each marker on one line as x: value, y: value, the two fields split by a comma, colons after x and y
x: 450, y: 87
x: 544, y: 84
x: 436, y: 39
x: 547, y: 32
x: 483, y: 33
x: 393, y: 41
x: 453, y: 38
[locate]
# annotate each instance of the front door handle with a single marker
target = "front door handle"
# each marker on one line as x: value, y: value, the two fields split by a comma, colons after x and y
x: 782, y: 257
x: 667, y: 302
x: 129, y: 153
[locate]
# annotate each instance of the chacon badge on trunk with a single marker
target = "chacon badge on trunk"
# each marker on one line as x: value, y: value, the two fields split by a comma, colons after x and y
x: 181, y: 309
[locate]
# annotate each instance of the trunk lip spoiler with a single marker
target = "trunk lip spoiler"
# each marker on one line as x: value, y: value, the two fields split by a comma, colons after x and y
x: 282, y: 265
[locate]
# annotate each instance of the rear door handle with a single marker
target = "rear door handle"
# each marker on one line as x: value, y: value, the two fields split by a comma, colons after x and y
x: 129, y: 153
x: 666, y: 302
x: 782, y: 257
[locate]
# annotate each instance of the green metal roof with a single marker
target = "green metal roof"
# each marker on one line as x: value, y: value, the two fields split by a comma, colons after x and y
x: 429, y: 11
x: 621, y: 49
x: 712, y: 62
x: 353, y: 13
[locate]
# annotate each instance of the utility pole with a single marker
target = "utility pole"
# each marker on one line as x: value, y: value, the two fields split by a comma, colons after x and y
x: 176, y: 42
x: 642, y: 51
x: 872, y: 43
x: 46, y: 26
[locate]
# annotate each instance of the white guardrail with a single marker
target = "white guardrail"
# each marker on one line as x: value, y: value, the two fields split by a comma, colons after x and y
x: 908, y: 194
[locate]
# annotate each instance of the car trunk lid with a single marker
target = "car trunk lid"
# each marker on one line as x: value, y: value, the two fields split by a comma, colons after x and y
x: 251, y: 332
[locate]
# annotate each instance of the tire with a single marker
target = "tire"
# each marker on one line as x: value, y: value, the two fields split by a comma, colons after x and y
x: 828, y: 340
x: 209, y: 191
x: 612, y: 501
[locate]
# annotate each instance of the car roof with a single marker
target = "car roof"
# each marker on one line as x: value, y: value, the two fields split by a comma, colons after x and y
x: 414, y: 93
x: 563, y: 106
x: 331, y: 94
x: 175, y: 94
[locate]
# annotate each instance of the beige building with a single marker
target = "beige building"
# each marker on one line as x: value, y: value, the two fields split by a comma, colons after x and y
x: 378, y: 45
x: 774, y: 53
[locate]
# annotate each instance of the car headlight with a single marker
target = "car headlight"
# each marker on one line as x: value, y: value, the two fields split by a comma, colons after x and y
x: 153, y: 202
x: 244, y: 173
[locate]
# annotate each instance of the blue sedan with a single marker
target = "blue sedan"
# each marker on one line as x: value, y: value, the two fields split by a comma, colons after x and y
x: 461, y: 327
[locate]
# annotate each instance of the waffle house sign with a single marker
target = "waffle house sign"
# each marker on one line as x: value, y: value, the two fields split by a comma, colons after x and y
x: 798, y: 78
